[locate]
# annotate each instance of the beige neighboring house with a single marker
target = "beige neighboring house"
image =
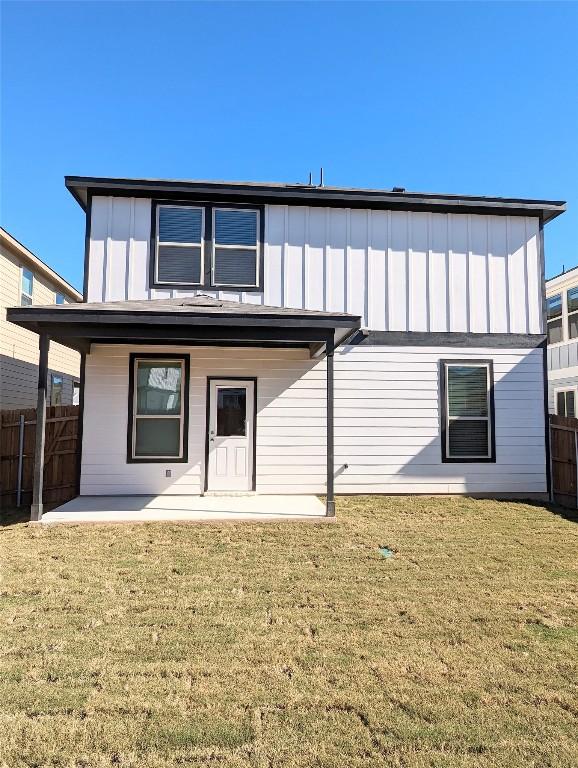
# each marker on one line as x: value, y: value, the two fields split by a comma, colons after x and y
x: 24, y: 281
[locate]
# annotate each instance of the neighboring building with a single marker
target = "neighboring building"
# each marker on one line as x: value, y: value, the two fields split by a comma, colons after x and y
x: 562, y: 312
x: 26, y: 281
x: 214, y: 310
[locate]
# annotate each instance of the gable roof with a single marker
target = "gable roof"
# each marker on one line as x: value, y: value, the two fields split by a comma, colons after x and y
x: 250, y: 192
x: 37, y: 265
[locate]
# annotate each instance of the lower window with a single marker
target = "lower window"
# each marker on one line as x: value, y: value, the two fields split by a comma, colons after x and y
x: 158, y: 387
x: 566, y: 402
x: 467, y: 407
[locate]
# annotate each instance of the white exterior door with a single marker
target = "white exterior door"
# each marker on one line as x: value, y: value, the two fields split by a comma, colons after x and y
x: 231, y: 435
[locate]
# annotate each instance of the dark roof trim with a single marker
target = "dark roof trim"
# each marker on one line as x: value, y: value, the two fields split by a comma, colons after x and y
x: 107, y: 317
x: 449, y: 339
x: 302, y: 194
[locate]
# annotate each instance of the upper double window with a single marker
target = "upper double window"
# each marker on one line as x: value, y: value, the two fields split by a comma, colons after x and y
x: 206, y: 246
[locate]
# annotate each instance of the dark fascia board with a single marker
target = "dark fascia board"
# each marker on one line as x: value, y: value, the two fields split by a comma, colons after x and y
x: 35, y: 316
x: 285, y: 194
x: 82, y: 337
x: 449, y: 339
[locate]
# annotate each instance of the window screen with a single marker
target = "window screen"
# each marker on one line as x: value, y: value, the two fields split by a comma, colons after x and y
x: 26, y: 288
x: 179, y: 255
x: 157, y: 405
x: 55, y: 389
x: 468, y: 421
x: 572, y: 297
x: 235, y: 247
x: 554, y: 314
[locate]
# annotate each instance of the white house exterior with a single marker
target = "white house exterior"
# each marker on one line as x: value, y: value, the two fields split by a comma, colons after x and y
x: 390, y: 342
x: 562, y: 330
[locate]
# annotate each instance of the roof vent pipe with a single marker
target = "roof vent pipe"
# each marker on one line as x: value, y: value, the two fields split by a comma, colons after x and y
x: 321, y: 177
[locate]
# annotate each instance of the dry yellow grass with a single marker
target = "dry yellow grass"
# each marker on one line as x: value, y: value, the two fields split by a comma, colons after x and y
x: 283, y: 645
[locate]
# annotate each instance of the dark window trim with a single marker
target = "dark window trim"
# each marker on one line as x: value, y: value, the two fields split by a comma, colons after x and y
x: 130, y: 459
x: 87, y: 236
x: 491, y: 459
x: 207, y: 246
x: 207, y: 424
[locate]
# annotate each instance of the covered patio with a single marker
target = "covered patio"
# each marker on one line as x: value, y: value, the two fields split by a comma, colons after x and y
x: 136, y: 509
x: 199, y: 321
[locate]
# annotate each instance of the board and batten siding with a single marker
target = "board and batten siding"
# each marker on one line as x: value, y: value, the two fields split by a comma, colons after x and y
x: 399, y: 270
x: 387, y: 427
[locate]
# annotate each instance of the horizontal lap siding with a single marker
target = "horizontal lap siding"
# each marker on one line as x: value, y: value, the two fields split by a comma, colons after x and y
x: 386, y: 422
x: 19, y: 346
x: 390, y: 438
x: 104, y: 468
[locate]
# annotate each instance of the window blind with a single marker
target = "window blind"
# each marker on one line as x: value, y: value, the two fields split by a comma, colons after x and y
x: 179, y: 245
x: 467, y: 408
x: 235, y: 252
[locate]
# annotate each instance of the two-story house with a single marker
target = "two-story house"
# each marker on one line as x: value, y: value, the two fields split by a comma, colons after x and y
x: 292, y: 339
x: 25, y: 280
x: 562, y: 330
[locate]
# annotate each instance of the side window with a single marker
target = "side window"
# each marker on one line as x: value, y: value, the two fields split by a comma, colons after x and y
x: 235, y: 247
x: 55, y: 389
x: 26, y: 287
x: 179, y: 245
x: 60, y: 298
x: 467, y: 409
x: 572, y: 297
x: 566, y: 402
x: 554, y: 318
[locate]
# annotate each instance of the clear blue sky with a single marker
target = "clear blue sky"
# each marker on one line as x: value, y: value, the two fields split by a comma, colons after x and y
x: 448, y: 97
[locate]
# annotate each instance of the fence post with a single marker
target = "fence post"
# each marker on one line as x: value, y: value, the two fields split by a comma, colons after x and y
x: 20, y: 461
x: 551, y: 494
x: 576, y: 454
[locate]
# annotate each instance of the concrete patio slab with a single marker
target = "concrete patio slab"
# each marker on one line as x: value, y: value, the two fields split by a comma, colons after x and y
x: 115, y: 509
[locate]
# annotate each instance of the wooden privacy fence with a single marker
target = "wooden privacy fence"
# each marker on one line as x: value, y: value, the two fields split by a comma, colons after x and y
x: 564, y: 459
x: 17, y: 439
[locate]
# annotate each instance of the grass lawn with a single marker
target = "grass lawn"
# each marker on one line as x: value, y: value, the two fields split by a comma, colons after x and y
x: 294, y: 644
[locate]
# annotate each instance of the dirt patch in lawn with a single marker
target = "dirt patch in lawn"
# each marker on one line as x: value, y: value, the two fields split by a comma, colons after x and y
x: 264, y: 645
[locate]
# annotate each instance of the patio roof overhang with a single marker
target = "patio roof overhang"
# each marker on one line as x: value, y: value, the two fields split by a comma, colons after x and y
x: 195, y: 320
x: 183, y: 321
